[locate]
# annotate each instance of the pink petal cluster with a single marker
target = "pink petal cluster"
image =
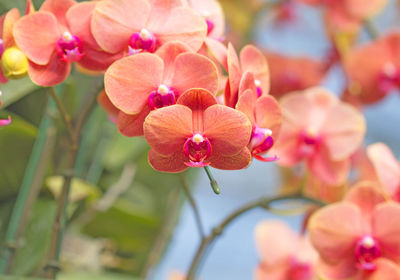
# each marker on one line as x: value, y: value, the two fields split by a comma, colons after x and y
x: 320, y: 130
x: 251, y: 61
x: 358, y: 237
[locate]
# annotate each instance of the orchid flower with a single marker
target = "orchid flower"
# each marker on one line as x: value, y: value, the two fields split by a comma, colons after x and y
x: 144, y: 82
x: 134, y: 26
x: 197, y: 132
x: 358, y: 237
x: 322, y: 131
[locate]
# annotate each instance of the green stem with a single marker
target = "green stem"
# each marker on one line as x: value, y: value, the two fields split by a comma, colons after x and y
x: 52, y: 267
x: 217, y: 231
x: 20, y: 208
x: 213, y: 182
x: 64, y: 115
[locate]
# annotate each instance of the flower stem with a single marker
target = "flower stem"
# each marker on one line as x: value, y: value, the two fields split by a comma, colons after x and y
x: 64, y: 115
x: 52, y: 267
x: 213, y: 182
x: 218, y: 230
x: 21, y: 208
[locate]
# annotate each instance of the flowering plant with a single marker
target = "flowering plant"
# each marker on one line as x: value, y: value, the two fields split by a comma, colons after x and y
x: 113, y: 106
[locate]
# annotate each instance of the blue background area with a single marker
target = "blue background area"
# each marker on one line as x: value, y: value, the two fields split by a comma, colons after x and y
x: 234, y: 255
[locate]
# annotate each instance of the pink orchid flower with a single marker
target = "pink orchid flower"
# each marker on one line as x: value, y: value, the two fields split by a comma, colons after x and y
x: 266, y: 118
x: 322, y: 131
x: 251, y: 61
x: 284, y: 254
x: 289, y: 74
x: 144, y: 82
x: 381, y: 71
x: 134, y: 26
x: 197, y: 132
x: 66, y: 39
x: 358, y: 237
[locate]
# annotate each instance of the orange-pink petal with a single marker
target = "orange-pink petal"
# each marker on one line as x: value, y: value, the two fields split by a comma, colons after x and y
x: 53, y: 73
x: 327, y: 170
x: 129, y: 81
x: 168, y: 53
x: 343, y: 130
x: 227, y: 129
x: 386, y: 229
x: 366, y: 196
x: 218, y: 51
x: 235, y: 162
x: 235, y: 74
x: 37, y: 43
x: 197, y: 99
x: 268, y: 114
x: 247, y: 104
x: 386, y: 166
x: 106, y: 104
x: 334, y: 231
x: 182, y: 24
x: 58, y: 9
x: 132, y: 125
x: 173, y: 163
x: 114, y: 21
x: 10, y: 18
x: 195, y: 71
x: 79, y: 20
x: 252, y: 60
x: 167, y: 129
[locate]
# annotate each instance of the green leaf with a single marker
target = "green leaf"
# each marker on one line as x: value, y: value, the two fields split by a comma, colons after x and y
x: 32, y: 106
x: 14, y: 90
x: 16, y: 142
x: 6, y: 5
x: 36, y: 238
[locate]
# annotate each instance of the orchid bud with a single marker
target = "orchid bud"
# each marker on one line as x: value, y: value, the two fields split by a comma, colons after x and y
x: 14, y: 63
